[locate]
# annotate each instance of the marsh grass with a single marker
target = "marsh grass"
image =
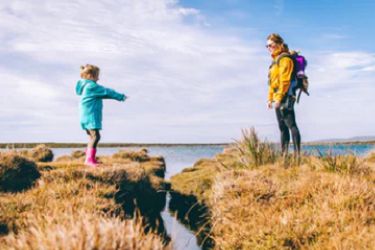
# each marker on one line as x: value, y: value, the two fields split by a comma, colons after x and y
x: 140, y: 155
x: 76, y: 154
x: 41, y: 153
x: 323, y: 201
x: 79, y: 230
x: 17, y: 173
x: 371, y: 157
x: 76, y: 207
x: 262, y: 200
x: 332, y: 162
x: 255, y: 152
x: 298, y: 208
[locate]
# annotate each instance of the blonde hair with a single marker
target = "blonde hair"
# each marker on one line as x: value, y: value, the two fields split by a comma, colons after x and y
x: 276, y: 38
x: 90, y: 72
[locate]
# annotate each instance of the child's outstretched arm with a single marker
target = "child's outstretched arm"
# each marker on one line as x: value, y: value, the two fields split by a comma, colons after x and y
x: 107, y: 93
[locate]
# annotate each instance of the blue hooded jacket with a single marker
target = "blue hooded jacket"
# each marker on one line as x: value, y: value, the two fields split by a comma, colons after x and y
x: 91, y: 104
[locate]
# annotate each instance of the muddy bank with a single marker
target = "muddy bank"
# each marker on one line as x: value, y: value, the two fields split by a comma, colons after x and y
x: 194, y: 215
x: 191, y: 192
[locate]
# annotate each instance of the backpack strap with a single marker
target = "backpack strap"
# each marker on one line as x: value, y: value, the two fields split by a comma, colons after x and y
x: 283, y: 56
x: 294, y: 73
x: 276, y: 62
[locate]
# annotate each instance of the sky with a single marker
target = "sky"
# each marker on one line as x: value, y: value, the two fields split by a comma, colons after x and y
x: 196, y: 71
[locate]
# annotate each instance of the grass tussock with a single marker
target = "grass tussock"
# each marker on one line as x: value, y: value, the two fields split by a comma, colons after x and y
x: 371, y: 157
x: 139, y: 156
x: 261, y: 200
x: 332, y: 162
x: 255, y: 152
x: 198, y: 179
x: 81, y: 230
x: 17, y: 173
x: 64, y: 158
x: 78, y: 207
x: 77, y: 154
x: 41, y: 154
x: 299, y: 208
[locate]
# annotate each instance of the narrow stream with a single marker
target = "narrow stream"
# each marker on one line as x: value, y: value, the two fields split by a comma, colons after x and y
x: 176, y: 158
x: 182, y: 238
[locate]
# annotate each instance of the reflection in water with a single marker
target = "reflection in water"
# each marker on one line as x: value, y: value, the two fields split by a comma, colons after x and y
x: 182, y: 238
x: 194, y: 215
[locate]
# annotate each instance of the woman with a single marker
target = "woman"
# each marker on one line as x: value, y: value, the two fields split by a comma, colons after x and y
x: 280, y: 77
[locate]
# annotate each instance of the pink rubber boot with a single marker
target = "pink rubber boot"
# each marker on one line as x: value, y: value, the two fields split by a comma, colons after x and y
x: 94, y: 158
x: 90, y: 157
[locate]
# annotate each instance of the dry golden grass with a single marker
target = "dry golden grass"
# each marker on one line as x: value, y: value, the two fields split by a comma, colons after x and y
x: 261, y: 200
x: 77, y: 207
x: 76, y: 154
x: 296, y: 208
x: 79, y: 230
x: 16, y: 172
x: 140, y: 155
x: 371, y: 157
x: 254, y: 152
x: 41, y: 154
x: 332, y: 162
x: 64, y: 158
x: 198, y: 179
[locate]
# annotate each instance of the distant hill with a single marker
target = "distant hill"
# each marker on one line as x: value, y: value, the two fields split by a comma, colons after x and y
x: 352, y: 139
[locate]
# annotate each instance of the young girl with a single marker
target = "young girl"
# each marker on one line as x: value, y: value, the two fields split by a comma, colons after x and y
x: 91, y: 106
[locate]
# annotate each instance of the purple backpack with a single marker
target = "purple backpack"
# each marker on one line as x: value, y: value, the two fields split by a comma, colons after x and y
x: 300, y: 65
x: 299, y: 75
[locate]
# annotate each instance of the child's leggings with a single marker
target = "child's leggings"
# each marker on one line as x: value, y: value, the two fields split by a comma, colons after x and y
x: 94, y: 137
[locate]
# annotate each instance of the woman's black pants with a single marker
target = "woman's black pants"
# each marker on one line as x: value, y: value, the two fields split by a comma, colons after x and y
x: 287, y: 121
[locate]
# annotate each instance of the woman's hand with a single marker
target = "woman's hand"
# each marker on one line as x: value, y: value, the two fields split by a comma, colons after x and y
x: 269, y: 104
x: 277, y: 104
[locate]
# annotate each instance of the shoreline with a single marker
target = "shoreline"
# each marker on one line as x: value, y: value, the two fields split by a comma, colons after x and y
x: 150, y: 145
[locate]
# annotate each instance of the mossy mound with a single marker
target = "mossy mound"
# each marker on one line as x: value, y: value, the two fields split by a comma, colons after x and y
x: 16, y: 172
x: 76, y: 154
x: 63, y: 158
x: 198, y: 179
x: 139, y: 156
x: 41, y: 154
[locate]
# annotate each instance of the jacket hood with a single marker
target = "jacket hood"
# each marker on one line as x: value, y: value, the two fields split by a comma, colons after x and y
x: 80, y: 85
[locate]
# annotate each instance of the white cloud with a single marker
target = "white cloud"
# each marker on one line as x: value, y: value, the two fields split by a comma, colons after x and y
x: 279, y: 6
x: 189, y: 11
x: 370, y: 68
x: 334, y: 36
x: 187, y: 83
x: 176, y: 73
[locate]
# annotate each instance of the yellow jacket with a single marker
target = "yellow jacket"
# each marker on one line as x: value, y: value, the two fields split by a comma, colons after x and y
x: 280, y: 77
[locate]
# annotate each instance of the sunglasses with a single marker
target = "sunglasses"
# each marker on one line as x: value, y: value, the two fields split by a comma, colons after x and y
x: 270, y: 45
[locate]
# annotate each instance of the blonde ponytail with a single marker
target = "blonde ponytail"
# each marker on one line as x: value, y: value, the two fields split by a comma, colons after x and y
x: 284, y: 47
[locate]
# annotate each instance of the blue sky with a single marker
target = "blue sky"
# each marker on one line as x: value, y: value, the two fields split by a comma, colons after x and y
x: 196, y: 71
x: 307, y: 20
